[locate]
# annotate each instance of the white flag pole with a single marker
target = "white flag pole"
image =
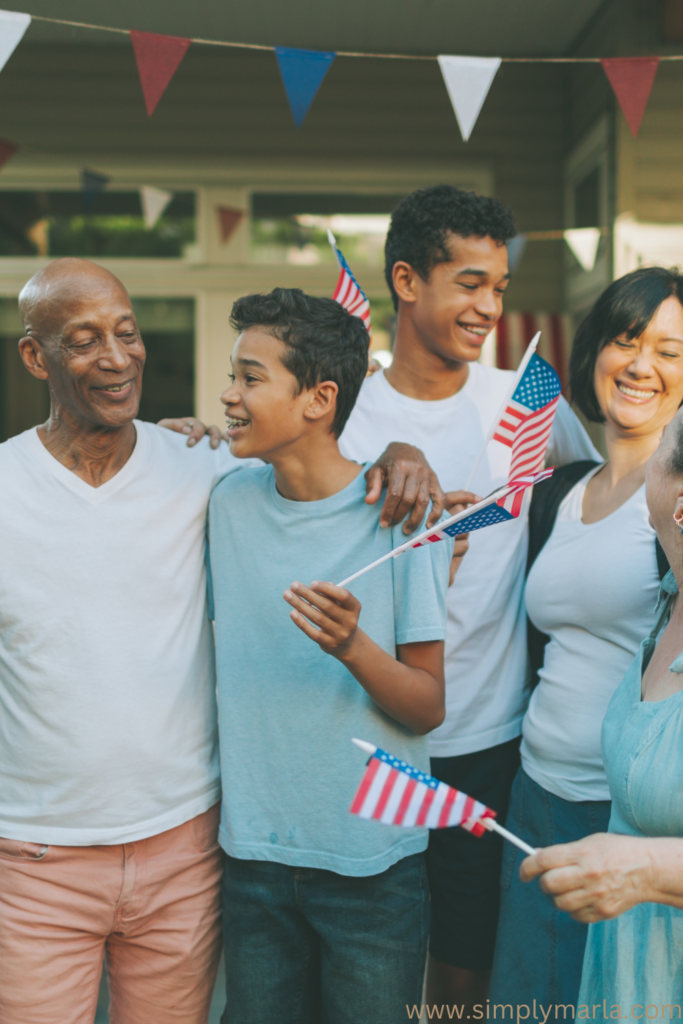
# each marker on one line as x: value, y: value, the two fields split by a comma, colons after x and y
x: 492, y: 825
x: 518, y: 376
x: 369, y: 748
x: 489, y: 823
x: 333, y: 242
x: 494, y: 496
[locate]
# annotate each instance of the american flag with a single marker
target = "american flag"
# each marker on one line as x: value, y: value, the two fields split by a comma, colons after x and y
x: 348, y: 292
x: 527, y: 420
x: 507, y: 507
x: 395, y: 793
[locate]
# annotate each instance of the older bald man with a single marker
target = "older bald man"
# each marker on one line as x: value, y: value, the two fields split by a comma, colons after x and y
x: 109, y: 779
x: 109, y: 782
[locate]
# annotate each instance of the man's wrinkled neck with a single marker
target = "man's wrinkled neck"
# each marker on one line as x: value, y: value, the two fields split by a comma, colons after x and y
x: 94, y: 452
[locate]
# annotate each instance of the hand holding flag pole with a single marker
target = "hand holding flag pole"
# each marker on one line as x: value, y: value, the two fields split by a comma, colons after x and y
x: 518, y: 376
x: 395, y: 793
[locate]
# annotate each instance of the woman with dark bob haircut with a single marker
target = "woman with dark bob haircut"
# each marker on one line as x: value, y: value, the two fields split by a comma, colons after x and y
x: 594, y: 570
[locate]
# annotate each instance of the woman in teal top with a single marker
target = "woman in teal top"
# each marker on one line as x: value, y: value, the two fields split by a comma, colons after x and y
x: 629, y: 883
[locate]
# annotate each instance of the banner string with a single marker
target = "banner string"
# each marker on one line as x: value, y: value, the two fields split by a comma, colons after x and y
x: 342, y: 53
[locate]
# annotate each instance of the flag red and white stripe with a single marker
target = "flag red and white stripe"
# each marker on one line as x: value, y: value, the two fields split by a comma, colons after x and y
x: 527, y: 434
x: 395, y: 793
x: 348, y: 292
x: 527, y: 417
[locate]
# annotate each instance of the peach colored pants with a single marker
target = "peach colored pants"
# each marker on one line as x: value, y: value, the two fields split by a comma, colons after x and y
x: 153, y: 906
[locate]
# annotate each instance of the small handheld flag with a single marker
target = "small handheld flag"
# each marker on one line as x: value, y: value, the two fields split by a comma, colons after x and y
x: 394, y: 793
x: 527, y: 420
x: 502, y: 504
x: 348, y: 292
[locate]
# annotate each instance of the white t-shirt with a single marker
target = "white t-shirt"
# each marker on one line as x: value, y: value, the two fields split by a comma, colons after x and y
x: 593, y: 590
x: 486, y: 640
x: 107, y: 680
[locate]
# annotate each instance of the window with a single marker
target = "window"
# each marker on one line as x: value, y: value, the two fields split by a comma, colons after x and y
x: 292, y: 227
x: 58, y: 224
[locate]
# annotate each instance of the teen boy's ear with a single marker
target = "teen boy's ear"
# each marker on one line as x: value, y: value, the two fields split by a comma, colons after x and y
x: 410, y: 481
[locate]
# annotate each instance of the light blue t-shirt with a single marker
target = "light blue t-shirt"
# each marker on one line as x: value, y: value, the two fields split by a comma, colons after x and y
x: 286, y: 710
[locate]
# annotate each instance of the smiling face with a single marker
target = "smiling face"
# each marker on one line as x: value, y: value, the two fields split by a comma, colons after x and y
x: 82, y: 337
x: 264, y: 409
x: 462, y: 300
x: 639, y: 382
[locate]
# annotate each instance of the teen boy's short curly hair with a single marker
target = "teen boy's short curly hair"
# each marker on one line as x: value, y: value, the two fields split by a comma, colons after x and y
x: 421, y: 223
x: 322, y: 341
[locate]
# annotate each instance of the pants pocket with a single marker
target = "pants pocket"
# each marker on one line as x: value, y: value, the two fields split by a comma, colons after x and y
x: 17, y: 849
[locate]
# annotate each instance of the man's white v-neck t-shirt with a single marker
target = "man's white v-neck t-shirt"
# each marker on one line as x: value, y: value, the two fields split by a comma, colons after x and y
x: 107, y: 677
x: 486, y: 632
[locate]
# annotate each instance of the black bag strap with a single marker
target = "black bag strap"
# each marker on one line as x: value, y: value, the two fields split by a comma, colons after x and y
x: 545, y: 503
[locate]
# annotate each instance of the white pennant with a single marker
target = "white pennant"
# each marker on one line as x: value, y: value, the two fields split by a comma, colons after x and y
x: 468, y: 80
x: 12, y: 27
x: 584, y: 243
x: 154, y: 202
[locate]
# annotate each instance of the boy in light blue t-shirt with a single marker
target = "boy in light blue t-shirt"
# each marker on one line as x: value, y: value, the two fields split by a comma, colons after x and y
x: 326, y: 916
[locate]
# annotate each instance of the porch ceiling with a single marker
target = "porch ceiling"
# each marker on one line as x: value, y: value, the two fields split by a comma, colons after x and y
x: 482, y: 27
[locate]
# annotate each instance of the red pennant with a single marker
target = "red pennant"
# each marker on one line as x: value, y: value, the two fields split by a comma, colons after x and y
x: 228, y: 219
x: 7, y: 151
x: 157, y: 58
x: 632, y: 79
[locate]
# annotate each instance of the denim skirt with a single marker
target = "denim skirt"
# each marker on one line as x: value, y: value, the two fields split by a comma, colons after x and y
x: 539, y: 949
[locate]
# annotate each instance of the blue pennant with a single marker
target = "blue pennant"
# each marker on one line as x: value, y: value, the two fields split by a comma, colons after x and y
x: 302, y: 73
x: 92, y: 184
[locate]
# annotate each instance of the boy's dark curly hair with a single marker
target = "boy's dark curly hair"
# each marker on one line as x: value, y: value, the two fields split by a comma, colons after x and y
x: 322, y: 340
x: 421, y: 223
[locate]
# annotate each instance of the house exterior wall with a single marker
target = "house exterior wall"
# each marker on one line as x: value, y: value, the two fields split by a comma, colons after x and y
x: 224, y: 128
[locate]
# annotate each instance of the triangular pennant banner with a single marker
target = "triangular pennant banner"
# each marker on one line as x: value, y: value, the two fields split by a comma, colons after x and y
x: 632, y: 79
x: 92, y: 184
x: 7, y: 151
x: 302, y: 73
x: 584, y: 243
x: 516, y: 247
x: 157, y: 58
x: 153, y: 201
x: 468, y: 80
x: 12, y: 28
x: 228, y: 219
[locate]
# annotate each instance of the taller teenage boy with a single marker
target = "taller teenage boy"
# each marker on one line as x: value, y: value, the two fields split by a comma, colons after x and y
x: 447, y: 269
x: 325, y: 915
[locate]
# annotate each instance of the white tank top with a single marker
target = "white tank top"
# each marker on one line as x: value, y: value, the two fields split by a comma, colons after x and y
x: 593, y: 590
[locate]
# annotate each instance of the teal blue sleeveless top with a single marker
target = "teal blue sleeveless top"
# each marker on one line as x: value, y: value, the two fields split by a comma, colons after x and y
x: 636, y: 960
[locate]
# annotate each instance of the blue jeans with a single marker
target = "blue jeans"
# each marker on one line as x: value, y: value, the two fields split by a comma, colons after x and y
x: 303, y: 946
x: 539, y: 949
